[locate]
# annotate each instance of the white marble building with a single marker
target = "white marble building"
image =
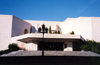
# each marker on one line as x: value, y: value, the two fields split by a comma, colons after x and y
x: 26, y: 33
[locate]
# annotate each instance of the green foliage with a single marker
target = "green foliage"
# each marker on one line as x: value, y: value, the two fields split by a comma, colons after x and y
x: 91, y: 46
x: 4, y: 51
x: 46, y: 29
x: 58, y: 32
x: 11, y: 47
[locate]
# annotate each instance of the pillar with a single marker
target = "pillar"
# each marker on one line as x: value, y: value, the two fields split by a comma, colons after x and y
x: 68, y: 46
x: 32, y: 46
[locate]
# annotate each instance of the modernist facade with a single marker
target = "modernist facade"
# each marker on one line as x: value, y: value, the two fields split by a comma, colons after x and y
x: 65, y: 35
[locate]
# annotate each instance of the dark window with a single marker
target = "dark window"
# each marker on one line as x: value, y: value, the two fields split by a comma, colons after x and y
x: 65, y: 45
x: 31, y: 30
x: 25, y: 31
x: 58, y: 46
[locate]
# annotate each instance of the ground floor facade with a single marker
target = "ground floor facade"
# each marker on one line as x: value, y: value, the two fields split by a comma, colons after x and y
x: 54, y: 46
x: 50, y: 42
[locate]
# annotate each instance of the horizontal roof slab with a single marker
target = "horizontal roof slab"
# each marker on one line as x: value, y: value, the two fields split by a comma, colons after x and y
x: 48, y: 37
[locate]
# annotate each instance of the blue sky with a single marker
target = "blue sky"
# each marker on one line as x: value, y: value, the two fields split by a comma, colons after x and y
x: 53, y: 10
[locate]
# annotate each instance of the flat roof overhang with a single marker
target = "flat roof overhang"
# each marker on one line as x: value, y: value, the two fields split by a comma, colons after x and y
x: 48, y: 39
x: 36, y: 37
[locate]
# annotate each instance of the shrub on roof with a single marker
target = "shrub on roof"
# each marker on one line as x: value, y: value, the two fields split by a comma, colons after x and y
x: 50, y: 30
x: 72, y: 33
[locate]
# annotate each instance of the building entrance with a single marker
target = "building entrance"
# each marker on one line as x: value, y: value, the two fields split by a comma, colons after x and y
x: 53, y: 46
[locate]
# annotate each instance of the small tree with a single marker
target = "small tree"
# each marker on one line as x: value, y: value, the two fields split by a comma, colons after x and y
x: 46, y: 30
x: 50, y: 30
x: 72, y: 33
x: 55, y: 32
x: 58, y: 32
x: 39, y: 29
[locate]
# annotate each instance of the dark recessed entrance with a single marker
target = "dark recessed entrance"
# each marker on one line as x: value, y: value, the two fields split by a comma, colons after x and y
x: 50, y: 46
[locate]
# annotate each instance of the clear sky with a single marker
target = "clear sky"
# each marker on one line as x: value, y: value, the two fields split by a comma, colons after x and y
x: 53, y: 10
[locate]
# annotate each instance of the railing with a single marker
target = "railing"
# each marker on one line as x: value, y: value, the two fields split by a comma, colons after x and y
x: 39, y: 35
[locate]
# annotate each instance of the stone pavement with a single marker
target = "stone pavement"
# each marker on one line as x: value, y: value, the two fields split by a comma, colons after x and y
x: 51, y: 53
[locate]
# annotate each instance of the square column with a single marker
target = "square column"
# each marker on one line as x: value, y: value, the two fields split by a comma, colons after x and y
x: 31, y: 46
x: 68, y: 46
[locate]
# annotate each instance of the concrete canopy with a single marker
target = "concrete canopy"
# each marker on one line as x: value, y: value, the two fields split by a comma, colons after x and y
x: 35, y: 37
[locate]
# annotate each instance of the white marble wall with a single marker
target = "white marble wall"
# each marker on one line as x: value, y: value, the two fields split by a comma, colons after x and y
x: 69, y: 46
x: 5, y: 31
x: 18, y: 26
x: 37, y: 24
x: 81, y: 26
x: 96, y: 28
